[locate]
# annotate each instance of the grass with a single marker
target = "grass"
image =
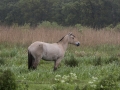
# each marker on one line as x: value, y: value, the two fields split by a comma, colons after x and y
x: 44, y: 77
x: 97, y: 57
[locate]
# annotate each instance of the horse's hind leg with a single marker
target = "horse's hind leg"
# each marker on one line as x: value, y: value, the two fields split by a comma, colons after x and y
x: 36, y: 62
x: 37, y: 56
x: 30, y: 60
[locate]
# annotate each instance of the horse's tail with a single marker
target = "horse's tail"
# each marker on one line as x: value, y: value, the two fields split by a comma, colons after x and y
x: 30, y: 60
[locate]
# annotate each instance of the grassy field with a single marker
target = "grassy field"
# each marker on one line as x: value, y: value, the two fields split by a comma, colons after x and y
x: 97, y: 60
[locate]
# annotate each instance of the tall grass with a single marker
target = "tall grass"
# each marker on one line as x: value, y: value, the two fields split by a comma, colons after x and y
x: 100, y: 61
x: 87, y: 37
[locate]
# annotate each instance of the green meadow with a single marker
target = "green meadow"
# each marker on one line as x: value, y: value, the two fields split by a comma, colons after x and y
x: 92, y: 67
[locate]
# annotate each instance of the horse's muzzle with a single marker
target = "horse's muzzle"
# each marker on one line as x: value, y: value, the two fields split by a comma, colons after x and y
x: 78, y: 44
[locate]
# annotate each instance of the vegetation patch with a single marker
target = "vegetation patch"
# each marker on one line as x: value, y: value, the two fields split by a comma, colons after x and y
x: 71, y: 61
x: 95, y: 65
x: 7, y: 81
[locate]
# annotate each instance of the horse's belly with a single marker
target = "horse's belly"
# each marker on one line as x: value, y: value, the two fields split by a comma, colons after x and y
x: 50, y: 57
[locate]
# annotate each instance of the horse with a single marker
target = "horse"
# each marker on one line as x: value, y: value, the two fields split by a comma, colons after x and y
x: 50, y: 51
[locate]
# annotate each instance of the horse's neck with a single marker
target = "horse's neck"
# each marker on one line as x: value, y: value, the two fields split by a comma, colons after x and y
x: 64, y: 43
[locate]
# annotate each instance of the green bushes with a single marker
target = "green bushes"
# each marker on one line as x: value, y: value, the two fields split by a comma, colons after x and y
x: 92, y: 69
x: 102, y: 61
x: 7, y: 81
x: 71, y: 61
x: 108, y: 82
x: 112, y: 59
x: 2, y: 61
x: 47, y: 24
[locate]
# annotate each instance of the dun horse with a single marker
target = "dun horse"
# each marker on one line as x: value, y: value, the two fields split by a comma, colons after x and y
x: 49, y: 52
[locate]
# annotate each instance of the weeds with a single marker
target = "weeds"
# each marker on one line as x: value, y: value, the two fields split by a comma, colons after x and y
x: 97, y: 61
x: 71, y: 60
x: 7, y: 81
x: 8, y: 53
x: 2, y: 61
x: 70, y: 78
x: 94, y: 58
x: 108, y: 83
x: 113, y: 59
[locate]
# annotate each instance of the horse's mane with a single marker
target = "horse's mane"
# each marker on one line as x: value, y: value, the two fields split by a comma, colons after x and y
x: 63, y: 38
x: 60, y: 39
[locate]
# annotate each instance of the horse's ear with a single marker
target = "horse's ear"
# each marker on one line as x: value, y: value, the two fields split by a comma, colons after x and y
x: 70, y: 33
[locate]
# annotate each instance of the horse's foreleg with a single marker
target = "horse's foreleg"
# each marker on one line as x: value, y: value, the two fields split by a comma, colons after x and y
x: 56, y: 64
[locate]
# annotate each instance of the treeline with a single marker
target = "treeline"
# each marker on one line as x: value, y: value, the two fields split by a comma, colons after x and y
x: 94, y: 13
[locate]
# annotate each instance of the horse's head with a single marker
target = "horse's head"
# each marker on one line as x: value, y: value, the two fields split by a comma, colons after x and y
x: 73, y: 40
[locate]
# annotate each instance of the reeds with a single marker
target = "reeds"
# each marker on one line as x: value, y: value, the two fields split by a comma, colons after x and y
x: 87, y: 37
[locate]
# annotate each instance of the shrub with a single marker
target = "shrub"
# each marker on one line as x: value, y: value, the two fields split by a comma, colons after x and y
x: 112, y: 59
x: 7, y: 81
x: 79, y: 27
x: 23, y: 86
x: 2, y: 61
x: 108, y: 83
x: 13, y: 52
x: 47, y: 24
x: 97, y: 61
x: 91, y: 84
x: 71, y: 61
x: 117, y: 27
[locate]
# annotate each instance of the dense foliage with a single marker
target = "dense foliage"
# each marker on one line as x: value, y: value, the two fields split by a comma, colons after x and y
x: 7, y: 81
x: 94, y: 13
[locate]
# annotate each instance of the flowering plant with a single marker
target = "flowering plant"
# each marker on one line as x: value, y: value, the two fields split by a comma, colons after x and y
x: 71, y: 77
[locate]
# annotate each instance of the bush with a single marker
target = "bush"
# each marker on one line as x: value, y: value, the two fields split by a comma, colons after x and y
x: 112, y: 59
x: 2, y: 61
x: 7, y: 81
x: 47, y: 24
x: 97, y: 61
x: 79, y: 27
x: 71, y: 61
x: 91, y: 84
x: 117, y: 27
x: 108, y: 83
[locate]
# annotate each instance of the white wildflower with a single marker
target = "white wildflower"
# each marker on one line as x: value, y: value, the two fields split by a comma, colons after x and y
x: 93, y: 85
x: 62, y: 81
x: 95, y: 78
x: 73, y: 76
x: 65, y: 77
x: 90, y: 82
x: 57, y: 77
x: 101, y: 86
